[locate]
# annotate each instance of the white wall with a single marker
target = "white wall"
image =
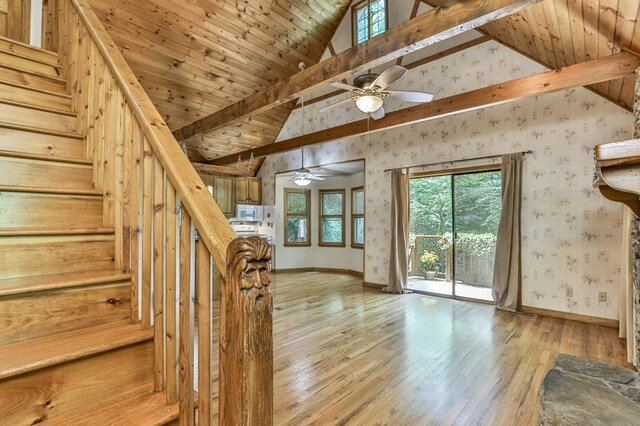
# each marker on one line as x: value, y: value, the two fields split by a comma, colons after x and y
x: 570, y: 233
x: 314, y: 256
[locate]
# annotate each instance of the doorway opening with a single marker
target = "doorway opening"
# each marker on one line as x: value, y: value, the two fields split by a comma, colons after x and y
x: 453, y: 226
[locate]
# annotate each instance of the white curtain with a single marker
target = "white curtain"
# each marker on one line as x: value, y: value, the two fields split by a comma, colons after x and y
x: 627, y: 328
x: 398, y: 268
x: 507, y: 268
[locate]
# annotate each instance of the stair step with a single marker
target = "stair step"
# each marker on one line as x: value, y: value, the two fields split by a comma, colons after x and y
x: 43, y: 131
x: 11, y: 60
x: 19, y: 358
x: 39, y: 314
x: 23, y: 140
x: 21, y: 94
x: 25, y: 115
x: 49, y: 190
x: 27, y: 51
x: 68, y: 373
x: 46, y: 255
x: 43, y: 157
x: 25, y: 285
x: 25, y: 232
x: 24, y: 172
x: 35, y: 81
x: 145, y: 408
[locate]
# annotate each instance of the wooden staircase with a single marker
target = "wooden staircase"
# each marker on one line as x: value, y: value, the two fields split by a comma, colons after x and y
x: 70, y: 350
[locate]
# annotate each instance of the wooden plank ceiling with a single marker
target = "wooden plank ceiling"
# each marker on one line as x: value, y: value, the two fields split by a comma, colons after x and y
x: 557, y: 33
x: 198, y: 56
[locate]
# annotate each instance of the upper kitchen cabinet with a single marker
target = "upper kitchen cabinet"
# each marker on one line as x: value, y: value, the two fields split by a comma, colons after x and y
x: 248, y: 190
x: 223, y: 192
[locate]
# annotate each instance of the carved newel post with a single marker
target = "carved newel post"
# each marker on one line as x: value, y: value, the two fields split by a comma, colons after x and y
x: 246, y: 336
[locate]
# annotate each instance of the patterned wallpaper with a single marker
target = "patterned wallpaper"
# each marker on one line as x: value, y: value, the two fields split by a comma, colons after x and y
x: 571, y: 234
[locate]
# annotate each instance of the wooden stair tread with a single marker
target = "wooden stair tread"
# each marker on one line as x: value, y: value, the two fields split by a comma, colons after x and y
x: 23, y: 85
x: 19, y: 358
x: 31, y: 156
x: 17, y: 232
x: 28, y: 51
x: 35, y: 189
x: 146, y: 408
x: 41, y: 130
x: 65, y: 112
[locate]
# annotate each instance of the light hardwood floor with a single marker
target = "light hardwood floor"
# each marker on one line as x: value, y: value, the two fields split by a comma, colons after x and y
x: 351, y: 355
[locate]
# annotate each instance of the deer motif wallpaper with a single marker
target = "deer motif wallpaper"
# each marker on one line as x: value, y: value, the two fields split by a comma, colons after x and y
x: 571, y: 235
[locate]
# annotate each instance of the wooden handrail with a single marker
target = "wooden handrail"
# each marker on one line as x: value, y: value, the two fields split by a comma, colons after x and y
x: 213, y: 227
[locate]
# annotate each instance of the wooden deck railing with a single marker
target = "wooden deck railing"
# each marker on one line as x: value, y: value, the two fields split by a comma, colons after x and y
x: 156, y: 202
x: 470, y: 268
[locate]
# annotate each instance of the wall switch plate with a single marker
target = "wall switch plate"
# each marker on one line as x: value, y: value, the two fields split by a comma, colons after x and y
x: 602, y: 296
x: 375, y: 269
x: 569, y: 291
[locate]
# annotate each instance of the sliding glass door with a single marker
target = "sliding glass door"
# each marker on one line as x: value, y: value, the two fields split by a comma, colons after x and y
x: 453, y: 228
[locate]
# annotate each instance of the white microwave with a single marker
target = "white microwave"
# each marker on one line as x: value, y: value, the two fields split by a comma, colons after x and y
x: 249, y: 213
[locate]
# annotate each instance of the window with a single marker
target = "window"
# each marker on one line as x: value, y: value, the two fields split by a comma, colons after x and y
x: 332, y: 218
x: 369, y: 19
x: 297, y: 219
x: 357, y: 217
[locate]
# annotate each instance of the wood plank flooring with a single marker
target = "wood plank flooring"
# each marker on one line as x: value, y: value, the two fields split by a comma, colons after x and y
x: 351, y: 355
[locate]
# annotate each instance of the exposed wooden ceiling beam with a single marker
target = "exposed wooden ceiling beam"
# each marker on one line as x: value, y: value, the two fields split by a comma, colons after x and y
x: 608, y: 68
x: 441, y: 23
x: 210, y: 169
x: 412, y: 65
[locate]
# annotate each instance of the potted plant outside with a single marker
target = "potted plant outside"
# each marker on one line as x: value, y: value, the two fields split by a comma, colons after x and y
x: 430, y: 264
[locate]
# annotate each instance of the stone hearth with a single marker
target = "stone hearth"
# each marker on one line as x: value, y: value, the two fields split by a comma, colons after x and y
x: 577, y: 391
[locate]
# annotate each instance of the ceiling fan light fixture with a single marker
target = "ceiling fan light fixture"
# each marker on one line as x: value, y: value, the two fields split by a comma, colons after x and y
x: 302, y: 181
x: 369, y: 103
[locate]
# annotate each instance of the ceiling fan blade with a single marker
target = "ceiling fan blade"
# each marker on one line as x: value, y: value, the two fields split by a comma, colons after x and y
x: 389, y: 76
x: 342, y: 102
x: 416, y: 97
x: 348, y: 87
x: 314, y: 177
x: 377, y: 115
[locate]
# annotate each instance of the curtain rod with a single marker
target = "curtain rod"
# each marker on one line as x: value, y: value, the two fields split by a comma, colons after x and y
x: 456, y: 161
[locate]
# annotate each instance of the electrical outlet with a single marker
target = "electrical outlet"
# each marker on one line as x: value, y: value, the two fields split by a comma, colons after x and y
x: 569, y: 291
x: 602, y: 297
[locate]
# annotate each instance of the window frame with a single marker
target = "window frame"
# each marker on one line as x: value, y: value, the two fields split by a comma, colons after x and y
x: 354, y: 24
x: 356, y: 216
x: 287, y: 215
x: 322, y: 216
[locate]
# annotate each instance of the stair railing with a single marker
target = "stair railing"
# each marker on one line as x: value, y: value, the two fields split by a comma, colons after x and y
x: 173, y: 238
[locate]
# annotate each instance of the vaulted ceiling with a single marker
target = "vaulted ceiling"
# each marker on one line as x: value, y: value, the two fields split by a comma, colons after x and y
x: 196, y: 57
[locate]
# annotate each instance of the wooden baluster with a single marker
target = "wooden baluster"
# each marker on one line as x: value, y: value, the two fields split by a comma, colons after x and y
x: 203, y: 286
x: 186, y: 391
x: 118, y: 179
x: 159, y: 217
x: 136, y: 215
x: 50, y: 25
x: 170, y: 306
x: 147, y: 233
x: 246, y: 341
x: 129, y: 124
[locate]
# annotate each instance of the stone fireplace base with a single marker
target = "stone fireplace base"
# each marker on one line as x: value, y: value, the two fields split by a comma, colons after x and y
x: 577, y: 391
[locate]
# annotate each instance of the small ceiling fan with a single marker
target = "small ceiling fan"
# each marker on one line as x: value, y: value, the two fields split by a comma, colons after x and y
x: 304, y: 176
x: 371, y: 91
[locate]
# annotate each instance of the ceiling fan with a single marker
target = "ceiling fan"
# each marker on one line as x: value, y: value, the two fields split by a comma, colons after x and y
x: 371, y: 91
x: 304, y: 176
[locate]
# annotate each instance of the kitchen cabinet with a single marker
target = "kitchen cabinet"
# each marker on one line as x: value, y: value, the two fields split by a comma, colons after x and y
x: 223, y: 192
x: 248, y: 190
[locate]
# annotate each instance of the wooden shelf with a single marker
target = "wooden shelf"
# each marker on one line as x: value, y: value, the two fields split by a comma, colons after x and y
x: 618, y: 172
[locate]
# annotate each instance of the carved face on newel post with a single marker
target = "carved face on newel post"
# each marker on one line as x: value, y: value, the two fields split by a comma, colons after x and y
x: 250, y: 267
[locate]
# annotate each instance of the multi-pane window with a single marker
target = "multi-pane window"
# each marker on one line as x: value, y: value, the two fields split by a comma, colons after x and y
x: 357, y: 217
x: 332, y: 217
x: 369, y: 19
x: 297, y: 207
